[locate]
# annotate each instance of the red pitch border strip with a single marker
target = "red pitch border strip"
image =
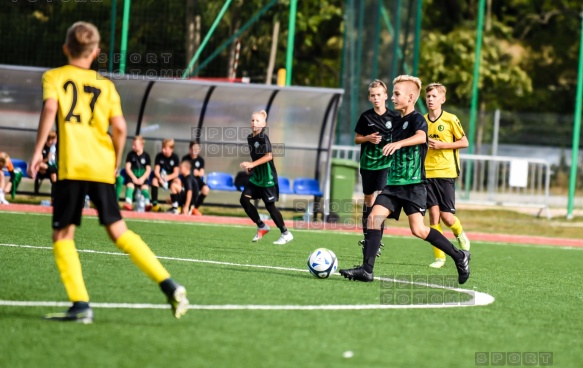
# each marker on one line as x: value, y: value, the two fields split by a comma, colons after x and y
x: 225, y: 220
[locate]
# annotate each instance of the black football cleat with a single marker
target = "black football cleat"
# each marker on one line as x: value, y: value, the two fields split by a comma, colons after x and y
x: 73, y: 314
x: 463, y: 267
x: 357, y: 274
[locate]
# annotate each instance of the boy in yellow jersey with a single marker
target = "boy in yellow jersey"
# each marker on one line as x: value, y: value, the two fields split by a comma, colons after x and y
x: 442, y: 166
x: 86, y: 105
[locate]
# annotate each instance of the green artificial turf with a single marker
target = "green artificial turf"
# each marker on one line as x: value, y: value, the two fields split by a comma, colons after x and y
x: 537, y: 306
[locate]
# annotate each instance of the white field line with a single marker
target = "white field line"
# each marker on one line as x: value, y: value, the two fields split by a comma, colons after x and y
x: 478, y: 298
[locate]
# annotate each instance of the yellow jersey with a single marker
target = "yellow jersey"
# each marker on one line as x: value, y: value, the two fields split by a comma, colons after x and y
x: 444, y: 163
x: 86, y: 102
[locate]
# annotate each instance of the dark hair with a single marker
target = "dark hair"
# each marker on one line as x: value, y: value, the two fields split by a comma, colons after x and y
x: 192, y: 143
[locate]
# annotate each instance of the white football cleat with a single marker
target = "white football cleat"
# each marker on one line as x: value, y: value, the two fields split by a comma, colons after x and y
x: 439, y: 262
x: 463, y: 241
x: 284, y: 238
x: 260, y: 232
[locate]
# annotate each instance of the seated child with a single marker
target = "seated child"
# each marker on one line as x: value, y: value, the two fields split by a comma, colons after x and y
x: 48, y: 167
x: 197, y: 164
x: 6, y: 186
x: 138, y: 168
x: 184, y: 192
x: 165, y: 170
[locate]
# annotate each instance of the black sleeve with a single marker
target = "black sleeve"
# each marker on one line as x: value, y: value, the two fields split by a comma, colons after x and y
x: 420, y: 123
x: 201, y: 160
x: 189, y: 183
x: 129, y: 156
x: 174, y: 157
x: 362, y: 126
x: 148, y: 160
x: 266, y: 145
x: 159, y: 157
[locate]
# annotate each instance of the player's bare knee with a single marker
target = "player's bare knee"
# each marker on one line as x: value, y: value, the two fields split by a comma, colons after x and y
x: 420, y: 231
x: 374, y: 221
x: 205, y: 190
x: 116, y: 229
x: 66, y: 233
x: 448, y: 218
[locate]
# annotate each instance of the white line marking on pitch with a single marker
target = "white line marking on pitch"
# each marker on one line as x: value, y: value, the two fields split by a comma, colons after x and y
x: 478, y: 298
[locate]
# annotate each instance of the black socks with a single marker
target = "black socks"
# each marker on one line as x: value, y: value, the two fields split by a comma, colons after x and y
x: 440, y: 242
x: 372, y: 244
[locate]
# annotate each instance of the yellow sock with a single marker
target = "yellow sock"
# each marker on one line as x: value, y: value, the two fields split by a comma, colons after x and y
x: 438, y: 252
x: 456, y: 227
x: 142, y: 256
x: 69, y: 267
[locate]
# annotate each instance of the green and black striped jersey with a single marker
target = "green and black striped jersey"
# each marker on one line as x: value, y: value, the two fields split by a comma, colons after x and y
x: 407, y: 165
x: 371, y: 155
x: 263, y: 175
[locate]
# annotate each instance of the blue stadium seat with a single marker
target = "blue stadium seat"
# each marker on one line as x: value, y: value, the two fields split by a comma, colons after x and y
x: 307, y: 186
x: 284, y: 185
x: 20, y: 165
x: 220, y: 181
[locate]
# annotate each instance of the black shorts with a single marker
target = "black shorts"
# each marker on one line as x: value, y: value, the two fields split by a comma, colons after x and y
x: 47, y: 174
x: 69, y: 200
x: 267, y: 194
x: 200, y: 182
x: 410, y: 198
x: 373, y: 180
x: 182, y: 199
x: 12, y: 176
x: 441, y: 192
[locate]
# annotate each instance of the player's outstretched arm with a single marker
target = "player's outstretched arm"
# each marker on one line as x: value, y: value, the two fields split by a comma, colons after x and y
x: 47, y: 117
x: 118, y: 137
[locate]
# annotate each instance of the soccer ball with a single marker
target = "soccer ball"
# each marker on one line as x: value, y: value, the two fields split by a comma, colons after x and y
x: 322, y: 262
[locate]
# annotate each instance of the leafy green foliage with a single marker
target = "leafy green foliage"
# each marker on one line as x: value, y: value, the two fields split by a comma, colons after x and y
x: 529, y: 61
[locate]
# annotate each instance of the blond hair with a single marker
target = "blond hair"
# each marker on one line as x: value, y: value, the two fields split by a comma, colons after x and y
x: 52, y: 135
x: 411, y: 79
x: 262, y: 113
x: 168, y: 142
x: 140, y: 138
x: 3, y: 159
x: 377, y: 83
x: 81, y: 39
x: 438, y: 86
